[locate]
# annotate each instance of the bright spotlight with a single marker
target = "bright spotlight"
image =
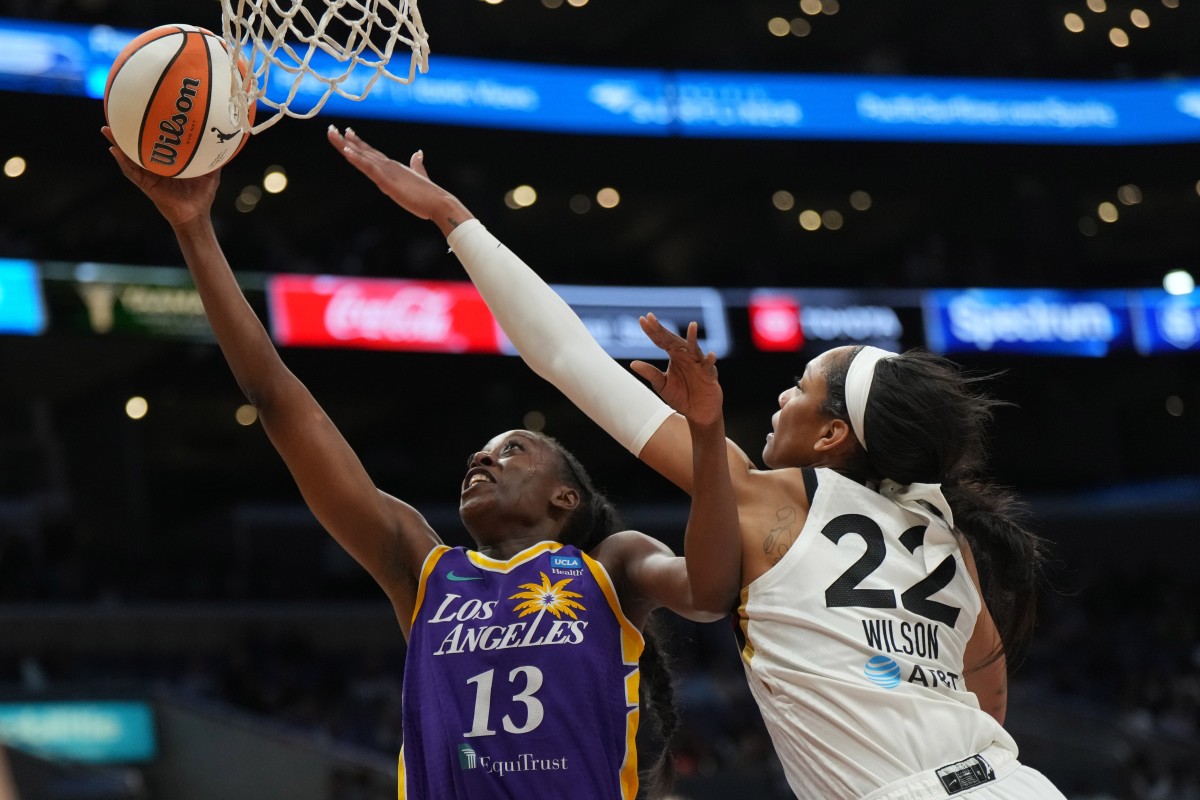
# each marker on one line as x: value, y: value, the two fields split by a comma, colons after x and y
x: 136, y: 407
x: 1179, y: 282
x: 14, y: 167
x: 275, y: 180
x: 246, y: 415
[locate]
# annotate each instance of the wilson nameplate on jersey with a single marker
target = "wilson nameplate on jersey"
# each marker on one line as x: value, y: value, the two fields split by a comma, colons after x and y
x: 965, y: 774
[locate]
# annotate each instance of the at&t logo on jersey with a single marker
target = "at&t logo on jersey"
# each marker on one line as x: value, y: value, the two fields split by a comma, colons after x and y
x: 882, y: 671
x: 566, y: 565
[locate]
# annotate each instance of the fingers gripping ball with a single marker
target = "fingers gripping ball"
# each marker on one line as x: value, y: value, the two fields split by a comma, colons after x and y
x: 167, y: 101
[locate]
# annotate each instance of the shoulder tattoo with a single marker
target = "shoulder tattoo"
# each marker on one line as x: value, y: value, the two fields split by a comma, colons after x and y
x: 779, y: 538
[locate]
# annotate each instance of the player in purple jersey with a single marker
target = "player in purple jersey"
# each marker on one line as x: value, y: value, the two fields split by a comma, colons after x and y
x: 522, y: 678
x: 852, y: 709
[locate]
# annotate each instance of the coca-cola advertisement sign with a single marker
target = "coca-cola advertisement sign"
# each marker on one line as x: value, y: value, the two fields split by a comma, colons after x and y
x: 375, y: 314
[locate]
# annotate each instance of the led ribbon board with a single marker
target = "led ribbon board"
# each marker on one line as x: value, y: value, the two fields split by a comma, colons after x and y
x: 96, y: 732
x: 75, y: 59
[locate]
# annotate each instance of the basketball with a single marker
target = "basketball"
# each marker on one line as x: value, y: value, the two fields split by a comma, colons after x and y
x: 168, y: 101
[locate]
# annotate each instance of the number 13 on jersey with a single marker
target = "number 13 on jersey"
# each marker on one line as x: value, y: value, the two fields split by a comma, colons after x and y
x: 525, y: 683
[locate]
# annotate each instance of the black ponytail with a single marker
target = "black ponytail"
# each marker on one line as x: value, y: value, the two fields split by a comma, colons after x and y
x: 1008, y: 555
x: 926, y: 422
x: 658, y: 697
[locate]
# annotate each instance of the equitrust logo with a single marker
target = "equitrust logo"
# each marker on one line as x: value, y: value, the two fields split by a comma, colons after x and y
x: 469, y: 760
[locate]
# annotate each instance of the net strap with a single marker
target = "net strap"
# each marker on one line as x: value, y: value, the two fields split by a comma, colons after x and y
x: 289, y: 52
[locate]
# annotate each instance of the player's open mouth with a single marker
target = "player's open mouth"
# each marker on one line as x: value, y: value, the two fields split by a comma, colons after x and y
x: 477, y: 476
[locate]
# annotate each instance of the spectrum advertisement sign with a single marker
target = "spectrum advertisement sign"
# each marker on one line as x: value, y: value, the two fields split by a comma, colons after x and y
x: 1029, y: 321
x: 1166, y: 323
x: 375, y: 314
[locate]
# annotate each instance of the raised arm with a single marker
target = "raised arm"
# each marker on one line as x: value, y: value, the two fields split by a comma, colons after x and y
x: 712, y: 543
x: 704, y: 584
x: 549, y: 336
x: 388, y: 537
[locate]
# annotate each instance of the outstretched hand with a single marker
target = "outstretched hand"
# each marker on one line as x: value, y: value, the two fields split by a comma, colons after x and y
x: 689, y: 385
x: 180, y: 200
x: 409, y: 186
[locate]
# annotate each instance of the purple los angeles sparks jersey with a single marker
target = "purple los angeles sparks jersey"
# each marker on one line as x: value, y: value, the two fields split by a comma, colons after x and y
x: 520, y: 681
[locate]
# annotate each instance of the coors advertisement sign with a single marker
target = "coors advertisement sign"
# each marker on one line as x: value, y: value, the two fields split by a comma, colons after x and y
x: 431, y: 316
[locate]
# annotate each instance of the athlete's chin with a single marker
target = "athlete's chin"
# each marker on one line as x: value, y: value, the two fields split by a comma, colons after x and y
x: 768, y: 453
x: 773, y: 458
x: 471, y: 507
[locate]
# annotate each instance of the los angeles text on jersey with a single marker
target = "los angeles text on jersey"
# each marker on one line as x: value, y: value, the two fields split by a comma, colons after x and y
x: 472, y: 630
x: 918, y: 639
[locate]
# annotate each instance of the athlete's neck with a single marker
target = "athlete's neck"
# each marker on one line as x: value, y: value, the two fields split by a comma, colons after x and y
x: 504, y: 550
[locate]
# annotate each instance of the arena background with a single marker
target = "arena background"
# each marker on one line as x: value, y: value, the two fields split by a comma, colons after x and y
x: 168, y: 566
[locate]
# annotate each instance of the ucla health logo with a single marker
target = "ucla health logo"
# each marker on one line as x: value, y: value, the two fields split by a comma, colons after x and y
x: 882, y: 671
x: 566, y: 565
x: 466, y: 757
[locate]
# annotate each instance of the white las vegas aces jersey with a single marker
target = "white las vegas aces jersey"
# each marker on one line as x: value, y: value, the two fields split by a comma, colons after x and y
x: 853, y: 647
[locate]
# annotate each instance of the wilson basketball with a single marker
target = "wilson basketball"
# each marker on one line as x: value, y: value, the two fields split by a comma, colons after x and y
x: 168, y: 101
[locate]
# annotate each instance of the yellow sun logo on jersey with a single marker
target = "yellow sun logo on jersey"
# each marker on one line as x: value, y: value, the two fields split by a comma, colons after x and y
x: 547, y: 597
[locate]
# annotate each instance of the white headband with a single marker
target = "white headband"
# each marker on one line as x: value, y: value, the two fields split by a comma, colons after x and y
x: 859, y: 377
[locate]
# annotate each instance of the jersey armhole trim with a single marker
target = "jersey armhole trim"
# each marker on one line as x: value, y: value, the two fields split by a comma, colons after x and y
x: 431, y: 561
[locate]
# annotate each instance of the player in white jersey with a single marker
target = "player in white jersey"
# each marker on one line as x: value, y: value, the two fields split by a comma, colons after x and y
x: 870, y: 641
x: 863, y: 643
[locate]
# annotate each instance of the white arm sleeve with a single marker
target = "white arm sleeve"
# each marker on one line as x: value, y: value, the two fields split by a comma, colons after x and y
x: 554, y: 342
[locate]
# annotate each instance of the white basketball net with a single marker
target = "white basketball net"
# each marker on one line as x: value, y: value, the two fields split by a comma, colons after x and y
x: 280, y: 38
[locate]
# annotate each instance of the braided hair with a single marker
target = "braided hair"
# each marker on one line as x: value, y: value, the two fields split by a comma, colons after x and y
x: 927, y: 421
x: 594, y: 520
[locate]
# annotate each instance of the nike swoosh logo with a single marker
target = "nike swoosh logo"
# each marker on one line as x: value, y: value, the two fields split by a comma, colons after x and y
x: 454, y: 577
